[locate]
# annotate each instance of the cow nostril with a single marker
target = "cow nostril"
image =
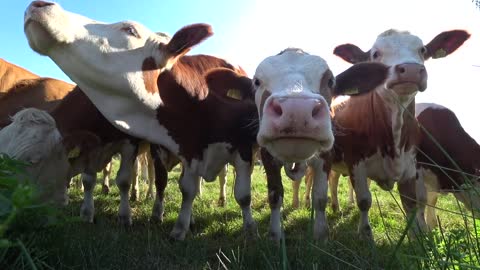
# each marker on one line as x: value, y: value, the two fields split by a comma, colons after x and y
x: 276, y: 108
x: 316, y: 110
x: 40, y: 4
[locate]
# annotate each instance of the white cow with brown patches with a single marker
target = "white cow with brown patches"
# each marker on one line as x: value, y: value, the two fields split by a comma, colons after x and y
x: 377, y: 132
x: 292, y: 92
x: 145, y: 86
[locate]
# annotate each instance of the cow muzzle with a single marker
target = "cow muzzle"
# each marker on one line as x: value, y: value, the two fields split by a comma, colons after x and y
x: 295, y: 128
x: 407, y: 78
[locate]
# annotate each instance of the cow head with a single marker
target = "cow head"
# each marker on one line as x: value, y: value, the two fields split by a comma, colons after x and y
x: 123, y: 58
x: 405, y: 54
x: 32, y: 137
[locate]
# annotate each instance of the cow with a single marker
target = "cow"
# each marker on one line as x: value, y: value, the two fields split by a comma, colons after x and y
x: 19, y: 89
x: 440, y: 174
x: 292, y: 93
x: 11, y: 74
x: 157, y: 94
x: 457, y: 173
x: 32, y: 91
x: 30, y: 137
x: 377, y: 134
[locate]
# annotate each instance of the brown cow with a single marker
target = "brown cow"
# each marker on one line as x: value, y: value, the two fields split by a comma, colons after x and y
x: 440, y: 173
x: 377, y: 134
x: 11, y: 74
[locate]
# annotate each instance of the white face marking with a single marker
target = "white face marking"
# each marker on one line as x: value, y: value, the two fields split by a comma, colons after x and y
x: 397, y: 48
x: 293, y: 78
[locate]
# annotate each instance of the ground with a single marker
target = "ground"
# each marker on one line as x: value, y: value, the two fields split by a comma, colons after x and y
x: 217, y: 241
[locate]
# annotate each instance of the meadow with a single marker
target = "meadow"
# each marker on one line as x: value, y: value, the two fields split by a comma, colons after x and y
x: 216, y: 240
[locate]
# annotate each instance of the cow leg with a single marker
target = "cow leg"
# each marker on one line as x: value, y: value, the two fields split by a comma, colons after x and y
x: 189, y: 188
x: 413, y: 196
x: 199, y: 184
x: 106, y: 178
x: 150, y: 174
x: 320, y: 199
x: 128, y: 155
x: 296, y: 189
x: 333, y: 185
x: 87, y: 210
x: 275, y: 192
x: 308, y: 187
x: 364, y: 200
x: 136, y: 173
x: 242, y: 192
x: 161, y: 177
x: 430, y: 214
x: 222, y: 177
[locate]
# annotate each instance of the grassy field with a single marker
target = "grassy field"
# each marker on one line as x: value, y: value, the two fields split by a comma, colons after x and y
x: 217, y: 241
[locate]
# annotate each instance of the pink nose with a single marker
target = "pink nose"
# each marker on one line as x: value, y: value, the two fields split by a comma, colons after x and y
x: 296, y: 114
x: 40, y: 4
x: 411, y: 72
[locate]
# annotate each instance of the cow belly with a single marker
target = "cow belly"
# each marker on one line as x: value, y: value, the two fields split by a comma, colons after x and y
x: 214, y: 159
x: 386, y: 171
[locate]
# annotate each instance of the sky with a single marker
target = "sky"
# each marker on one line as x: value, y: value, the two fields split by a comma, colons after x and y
x: 247, y: 31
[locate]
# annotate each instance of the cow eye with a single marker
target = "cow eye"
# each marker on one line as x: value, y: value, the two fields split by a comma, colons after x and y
x: 256, y: 82
x: 423, y: 50
x: 376, y: 55
x: 131, y: 31
x: 331, y: 83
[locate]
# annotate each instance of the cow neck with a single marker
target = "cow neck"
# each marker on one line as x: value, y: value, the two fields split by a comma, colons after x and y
x: 196, y: 118
x: 77, y: 113
x: 367, y: 124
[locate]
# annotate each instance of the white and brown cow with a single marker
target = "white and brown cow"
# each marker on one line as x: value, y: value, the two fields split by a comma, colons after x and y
x: 456, y: 173
x: 292, y: 92
x: 377, y: 134
x: 145, y: 86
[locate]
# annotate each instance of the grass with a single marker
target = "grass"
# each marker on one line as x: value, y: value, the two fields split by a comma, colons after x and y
x: 217, y: 241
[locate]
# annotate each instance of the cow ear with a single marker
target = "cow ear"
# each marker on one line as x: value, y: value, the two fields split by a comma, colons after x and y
x: 187, y: 37
x: 445, y: 43
x: 228, y: 83
x: 351, y: 53
x: 360, y: 78
x: 80, y: 142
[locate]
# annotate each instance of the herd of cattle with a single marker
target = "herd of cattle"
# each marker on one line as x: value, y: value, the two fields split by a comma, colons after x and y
x: 138, y: 91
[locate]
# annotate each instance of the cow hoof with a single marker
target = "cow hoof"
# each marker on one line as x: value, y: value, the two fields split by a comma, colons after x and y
x: 178, y: 234
x: 134, y: 196
x: 308, y: 203
x: 321, y: 235
x: 222, y: 202
x: 335, y: 208
x: 275, y: 237
x: 365, y: 233
x: 86, y: 214
x: 295, y: 204
x: 105, y: 189
x: 251, y: 230
x: 125, y: 220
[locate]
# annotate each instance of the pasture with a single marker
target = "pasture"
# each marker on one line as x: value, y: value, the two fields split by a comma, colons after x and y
x: 217, y: 241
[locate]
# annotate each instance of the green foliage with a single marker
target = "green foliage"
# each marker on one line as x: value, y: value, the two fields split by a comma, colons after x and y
x: 19, y: 213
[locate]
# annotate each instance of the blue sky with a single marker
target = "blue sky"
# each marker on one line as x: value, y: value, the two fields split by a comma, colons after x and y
x: 247, y: 31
